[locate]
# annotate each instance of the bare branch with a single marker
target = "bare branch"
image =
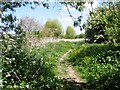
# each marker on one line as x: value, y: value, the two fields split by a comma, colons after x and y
x: 73, y: 18
x: 69, y: 12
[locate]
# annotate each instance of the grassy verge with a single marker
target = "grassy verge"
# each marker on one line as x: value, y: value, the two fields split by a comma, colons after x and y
x: 98, y: 64
x: 54, y: 51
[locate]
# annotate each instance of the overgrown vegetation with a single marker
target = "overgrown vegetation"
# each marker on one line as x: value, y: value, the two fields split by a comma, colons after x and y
x: 98, y: 64
x: 22, y: 67
x: 33, y: 68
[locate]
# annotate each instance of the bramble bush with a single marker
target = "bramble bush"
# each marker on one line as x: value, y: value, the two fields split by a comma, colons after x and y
x: 98, y: 64
x: 33, y: 68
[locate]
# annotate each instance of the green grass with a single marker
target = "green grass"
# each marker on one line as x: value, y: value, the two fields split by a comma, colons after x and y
x: 98, y: 64
x: 55, y: 51
x: 34, y: 67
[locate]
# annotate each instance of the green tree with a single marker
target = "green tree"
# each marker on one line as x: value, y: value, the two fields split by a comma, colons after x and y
x: 112, y: 18
x: 103, y: 24
x: 70, y: 32
x: 95, y: 25
x: 52, y: 28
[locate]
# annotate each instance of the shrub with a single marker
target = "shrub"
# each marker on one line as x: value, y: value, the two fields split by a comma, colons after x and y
x: 33, y: 68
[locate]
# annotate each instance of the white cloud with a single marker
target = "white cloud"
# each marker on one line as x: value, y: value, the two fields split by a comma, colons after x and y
x: 94, y: 5
x: 70, y: 8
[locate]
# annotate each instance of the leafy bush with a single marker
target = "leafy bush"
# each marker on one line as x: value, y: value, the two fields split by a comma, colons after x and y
x: 23, y: 68
x: 80, y: 35
x: 103, y: 24
x: 34, y: 68
x: 70, y: 33
x: 98, y: 64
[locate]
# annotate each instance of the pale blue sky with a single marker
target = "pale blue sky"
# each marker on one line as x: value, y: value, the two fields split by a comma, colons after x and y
x: 56, y: 10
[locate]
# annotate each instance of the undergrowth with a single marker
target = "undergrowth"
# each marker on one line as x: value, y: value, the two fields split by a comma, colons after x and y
x: 98, y: 64
x: 33, y: 68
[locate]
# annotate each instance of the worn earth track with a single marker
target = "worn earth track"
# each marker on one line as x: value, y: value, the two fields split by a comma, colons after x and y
x: 67, y: 73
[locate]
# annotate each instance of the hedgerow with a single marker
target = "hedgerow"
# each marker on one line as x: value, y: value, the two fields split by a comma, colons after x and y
x: 33, y: 68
